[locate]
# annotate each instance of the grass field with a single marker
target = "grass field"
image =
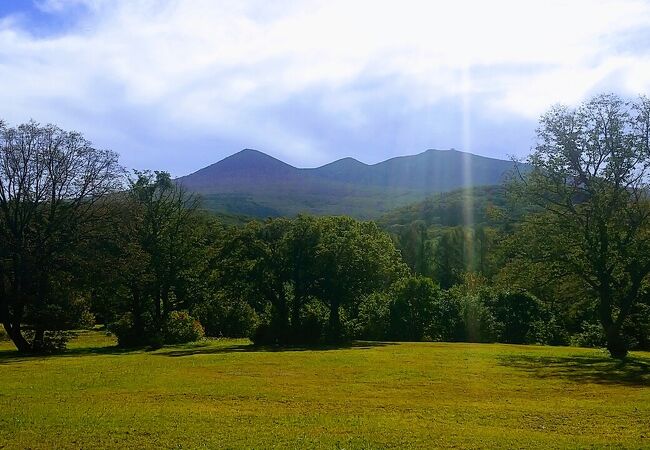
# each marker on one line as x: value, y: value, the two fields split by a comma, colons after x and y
x: 228, y: 394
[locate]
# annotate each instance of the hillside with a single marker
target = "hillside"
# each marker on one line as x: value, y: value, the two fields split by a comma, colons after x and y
x: 253, y: 183
x: 459, y: 207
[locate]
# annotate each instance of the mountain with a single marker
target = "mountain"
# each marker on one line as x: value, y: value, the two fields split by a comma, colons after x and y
x: 253, y: 183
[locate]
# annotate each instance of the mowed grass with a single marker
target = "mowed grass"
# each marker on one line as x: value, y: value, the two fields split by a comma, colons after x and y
x: 229, y: 394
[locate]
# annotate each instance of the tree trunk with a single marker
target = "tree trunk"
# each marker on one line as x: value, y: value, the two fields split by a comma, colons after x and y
x: 616, y: 344
x: 38, y: 345
x: 280, y: 319
x: 12, y: 327
x: 164, y: 295
x: 138, y: 325
x: 334, y: 322
x: 156, y: 298
x: 16, y: 336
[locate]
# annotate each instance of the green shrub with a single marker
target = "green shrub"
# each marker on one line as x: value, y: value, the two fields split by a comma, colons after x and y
x: 447, y: 322
x: 313, y: 323
x: 124, y: 331
x: 637, y: 327
x: 372, y: 322
x: 180, y: 328
x: 264, y: 334
x: 592, y: 335
x: 549, y: 331
x: 515, y: 313
x: 3, y: 335
x: 479, y: 322
x: 53, y: 340
x: 222, y: 318
x: 132, y: 333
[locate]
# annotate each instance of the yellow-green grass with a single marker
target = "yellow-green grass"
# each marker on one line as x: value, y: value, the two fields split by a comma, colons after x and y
x: 228, y: 394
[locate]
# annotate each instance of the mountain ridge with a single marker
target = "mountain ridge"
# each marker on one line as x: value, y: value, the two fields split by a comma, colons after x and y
x: 251, y: 180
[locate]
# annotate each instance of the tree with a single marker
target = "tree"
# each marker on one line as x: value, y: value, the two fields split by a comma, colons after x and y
x: 588, y: 177
x: 354, y: 259
x: 413, y: 307
x: 52, y: 184
x: 516, y: 313
x: 157, y: 248
x: 251, y: 264
x: 163, y: 213
x: 291, y: 271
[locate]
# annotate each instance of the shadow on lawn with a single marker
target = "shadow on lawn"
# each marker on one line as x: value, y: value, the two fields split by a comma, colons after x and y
x: 584, y: 369
x: 251, y: 348
x: 13, y: 356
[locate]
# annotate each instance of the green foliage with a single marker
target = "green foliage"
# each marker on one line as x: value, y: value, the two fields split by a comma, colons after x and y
x: 293, y: 271
x: 515, y: 313
x: 373, y: 319
x: 462, y: 207
x: 412, y: 308
x: 134, y: 331
x: 589, y: 180
x: 548, y: 331
x: 51, y: 341
x: 222, y: 317
x: 637, y: 327
x: 180, y: 328
x: 591, y: 335
x: 53, y: 186
x: 312, y: 325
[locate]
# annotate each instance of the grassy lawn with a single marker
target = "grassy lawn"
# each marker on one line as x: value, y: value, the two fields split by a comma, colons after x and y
x: 228, y: 394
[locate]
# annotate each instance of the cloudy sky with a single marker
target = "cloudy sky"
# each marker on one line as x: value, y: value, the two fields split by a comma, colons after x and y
x: 177, y: 85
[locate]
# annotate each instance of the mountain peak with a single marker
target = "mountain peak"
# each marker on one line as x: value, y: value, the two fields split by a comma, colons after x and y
x: 251, y: 178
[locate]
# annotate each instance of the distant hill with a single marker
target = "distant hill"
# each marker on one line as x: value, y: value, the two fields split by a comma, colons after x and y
x: 255, y: 184
x: 449, y: 209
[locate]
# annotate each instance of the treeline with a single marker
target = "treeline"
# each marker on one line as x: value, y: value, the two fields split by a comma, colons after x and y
x: 560, y: 255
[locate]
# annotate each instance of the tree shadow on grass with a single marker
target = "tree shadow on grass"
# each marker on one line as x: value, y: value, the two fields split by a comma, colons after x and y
x: 584, y: 369
x: 251, y: 348
x: 14, y: 356
x: 207, y: 348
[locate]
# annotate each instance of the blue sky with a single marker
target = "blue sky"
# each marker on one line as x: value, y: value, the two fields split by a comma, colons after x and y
x: 177, y: 85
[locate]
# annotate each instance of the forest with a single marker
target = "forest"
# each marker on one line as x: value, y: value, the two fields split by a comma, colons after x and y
x: 558, y: 255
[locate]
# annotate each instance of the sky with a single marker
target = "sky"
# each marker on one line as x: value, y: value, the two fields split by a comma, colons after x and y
x: 176, y: 85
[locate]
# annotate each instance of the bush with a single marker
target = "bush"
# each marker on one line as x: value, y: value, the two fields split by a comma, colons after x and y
x: 313, y: 323
x: 264, y: 334
x: 447, y: 319
x: 479, y: 323
x: 372, y: 322
x: 132, y: 333
x: 637, y: 327
x: 53, y: 341
x: 515, y: 313
x: 180, y: 328
x: 3, y: 335
x: 548, y: 331
x: 220, y: 318
x: 124, y: 330
x: 592, y: 335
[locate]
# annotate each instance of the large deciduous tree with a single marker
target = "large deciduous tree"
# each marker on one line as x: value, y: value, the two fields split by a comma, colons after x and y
x: 588, y: 175
x: 52, y: 183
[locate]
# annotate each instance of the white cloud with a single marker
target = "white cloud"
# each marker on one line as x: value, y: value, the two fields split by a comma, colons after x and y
x: 216, y: 68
